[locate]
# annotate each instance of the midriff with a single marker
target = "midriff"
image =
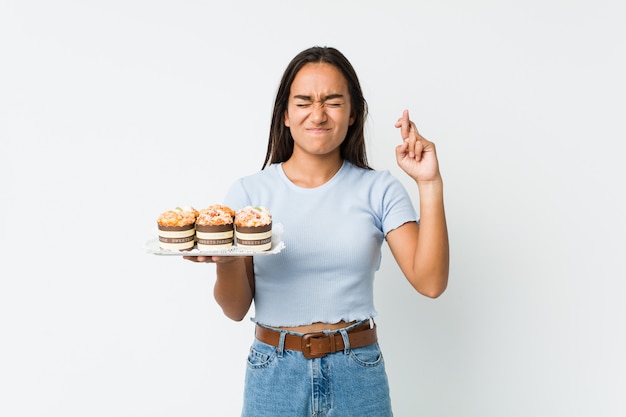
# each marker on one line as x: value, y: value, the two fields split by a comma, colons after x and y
x: 317, y: 327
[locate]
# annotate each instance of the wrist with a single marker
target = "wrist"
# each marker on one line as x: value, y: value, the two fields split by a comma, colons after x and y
x: 433, y: 185
x: 430, y: 192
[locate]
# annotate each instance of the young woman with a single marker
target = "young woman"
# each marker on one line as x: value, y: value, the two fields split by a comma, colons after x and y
x: 315, y: 352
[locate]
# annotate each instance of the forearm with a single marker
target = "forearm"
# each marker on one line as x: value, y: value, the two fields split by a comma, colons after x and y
x: 234, y: 287
x: 431, y: 262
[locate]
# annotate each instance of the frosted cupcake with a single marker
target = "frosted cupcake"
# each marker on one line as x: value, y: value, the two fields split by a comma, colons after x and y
x: 253, y: 228
x: 177, y: 228
x: 214, y: 227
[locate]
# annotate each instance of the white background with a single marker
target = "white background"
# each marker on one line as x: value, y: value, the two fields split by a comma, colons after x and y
x: 113, y: 111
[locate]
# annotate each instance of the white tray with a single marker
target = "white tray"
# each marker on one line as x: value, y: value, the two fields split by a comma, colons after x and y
x: 152, y: 246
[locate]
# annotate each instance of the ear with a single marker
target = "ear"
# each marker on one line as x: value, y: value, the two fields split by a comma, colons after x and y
x: 286, y: 119
x: 351, y: 120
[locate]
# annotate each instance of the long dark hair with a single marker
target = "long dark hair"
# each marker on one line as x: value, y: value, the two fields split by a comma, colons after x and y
x: 280, y: 144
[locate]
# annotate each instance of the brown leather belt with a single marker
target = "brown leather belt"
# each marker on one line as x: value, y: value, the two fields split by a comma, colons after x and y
x: 319, y: 344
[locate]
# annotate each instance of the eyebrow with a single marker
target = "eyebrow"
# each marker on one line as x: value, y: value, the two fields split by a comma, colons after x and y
x: 328, y: 97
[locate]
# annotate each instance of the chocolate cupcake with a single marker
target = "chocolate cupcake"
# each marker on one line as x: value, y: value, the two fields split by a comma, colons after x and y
x: 214, y: 227
x: 253, y: 228
x: 177, y: 229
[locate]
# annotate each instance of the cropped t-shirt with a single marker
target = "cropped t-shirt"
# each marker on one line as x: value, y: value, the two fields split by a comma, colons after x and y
x: 333, y: 236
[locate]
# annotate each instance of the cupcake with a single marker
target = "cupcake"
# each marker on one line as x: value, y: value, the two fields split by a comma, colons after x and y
x: 253, y: 228
x: 177, y: 228
x: 214, y: 227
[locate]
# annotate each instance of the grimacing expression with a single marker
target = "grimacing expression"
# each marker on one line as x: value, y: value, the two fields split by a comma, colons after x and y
x: 319, y: 110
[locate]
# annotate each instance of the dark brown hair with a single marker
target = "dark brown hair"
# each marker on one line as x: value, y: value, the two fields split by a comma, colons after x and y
x: 280, y: 144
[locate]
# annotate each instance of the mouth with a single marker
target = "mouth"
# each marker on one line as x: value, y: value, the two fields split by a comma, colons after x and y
x: 317, y: 130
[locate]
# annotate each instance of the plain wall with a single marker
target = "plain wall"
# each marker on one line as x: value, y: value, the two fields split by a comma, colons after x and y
x: 111, y: 112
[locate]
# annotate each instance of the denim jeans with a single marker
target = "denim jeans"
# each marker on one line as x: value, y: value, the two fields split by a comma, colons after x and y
x: 283, y: 383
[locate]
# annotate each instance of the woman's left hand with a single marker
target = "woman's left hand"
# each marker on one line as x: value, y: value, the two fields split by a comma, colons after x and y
x: 416, y: 155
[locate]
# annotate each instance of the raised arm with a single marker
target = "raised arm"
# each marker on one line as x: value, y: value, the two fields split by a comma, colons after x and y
x: 422, y: 251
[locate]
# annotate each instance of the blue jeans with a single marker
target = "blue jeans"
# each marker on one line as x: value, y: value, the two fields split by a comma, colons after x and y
x: 283, y: 383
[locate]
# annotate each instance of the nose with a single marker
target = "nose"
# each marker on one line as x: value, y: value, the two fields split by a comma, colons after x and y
x: 318, y: 113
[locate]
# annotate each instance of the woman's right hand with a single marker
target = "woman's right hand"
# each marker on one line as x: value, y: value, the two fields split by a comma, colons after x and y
x: 211, y: 259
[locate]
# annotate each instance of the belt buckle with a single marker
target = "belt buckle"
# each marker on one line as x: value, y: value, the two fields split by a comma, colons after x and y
x: 306, y: 345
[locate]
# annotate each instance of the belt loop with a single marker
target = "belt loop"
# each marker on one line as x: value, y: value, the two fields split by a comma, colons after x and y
x: 346, y: 341
x: 281, y: 344
x: 331, y: 342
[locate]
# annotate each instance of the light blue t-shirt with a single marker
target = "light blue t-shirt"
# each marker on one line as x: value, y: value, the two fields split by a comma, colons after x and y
x: 333, y: 236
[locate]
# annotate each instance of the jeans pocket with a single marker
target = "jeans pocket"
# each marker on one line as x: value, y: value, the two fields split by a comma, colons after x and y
x: 260, y: 355
x: 367, y: 355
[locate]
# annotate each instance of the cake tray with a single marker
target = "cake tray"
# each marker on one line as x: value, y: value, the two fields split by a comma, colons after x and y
x: 152, y: 246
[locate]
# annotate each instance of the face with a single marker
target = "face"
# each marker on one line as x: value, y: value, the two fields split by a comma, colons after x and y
x: 318, y: 112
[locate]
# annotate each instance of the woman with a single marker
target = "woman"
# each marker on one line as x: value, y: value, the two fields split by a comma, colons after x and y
x: 316, y: 350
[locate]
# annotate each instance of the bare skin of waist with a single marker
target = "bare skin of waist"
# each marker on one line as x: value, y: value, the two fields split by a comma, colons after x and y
x: 317, y: 327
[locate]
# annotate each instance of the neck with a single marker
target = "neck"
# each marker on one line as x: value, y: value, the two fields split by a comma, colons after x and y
x: 312, y: 172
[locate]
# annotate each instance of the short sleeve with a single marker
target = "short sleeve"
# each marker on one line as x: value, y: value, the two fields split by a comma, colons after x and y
x: 397, y: 207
